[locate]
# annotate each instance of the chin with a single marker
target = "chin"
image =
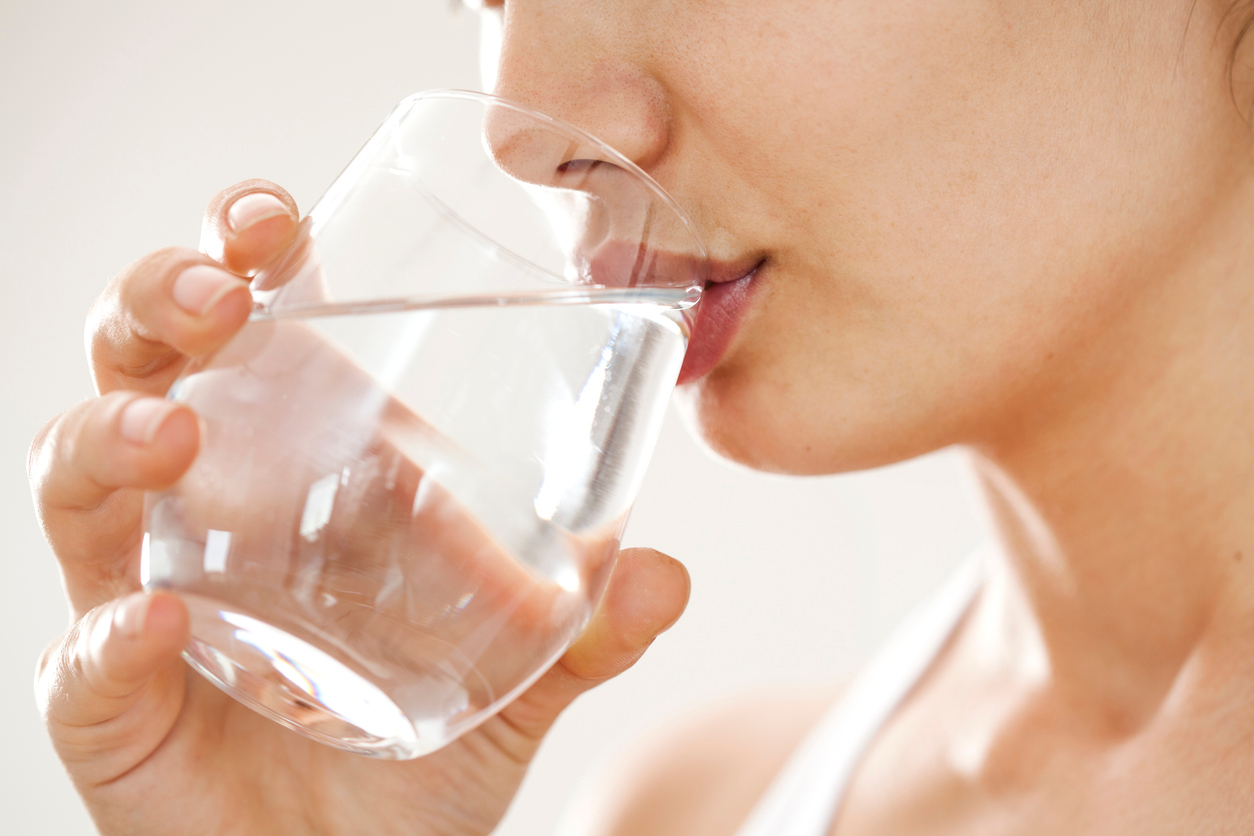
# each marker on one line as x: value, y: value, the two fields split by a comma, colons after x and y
x: 795, y: 430
x: 750, y: 428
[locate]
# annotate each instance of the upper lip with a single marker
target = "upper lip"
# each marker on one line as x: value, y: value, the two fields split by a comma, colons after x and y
x: 620, y: 264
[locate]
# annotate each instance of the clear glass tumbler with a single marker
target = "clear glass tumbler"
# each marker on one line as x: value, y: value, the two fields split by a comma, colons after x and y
x: 420, y: 452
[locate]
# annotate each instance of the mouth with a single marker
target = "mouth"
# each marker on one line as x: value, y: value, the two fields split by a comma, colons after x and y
x: 718, y: 315
x: 713, y: 322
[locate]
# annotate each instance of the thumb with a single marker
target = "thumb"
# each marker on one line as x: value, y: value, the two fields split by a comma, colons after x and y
x: 647, y: 593
x: 111, y: 687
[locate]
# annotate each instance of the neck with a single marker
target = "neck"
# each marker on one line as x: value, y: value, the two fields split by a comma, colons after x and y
x: 1124, y: 499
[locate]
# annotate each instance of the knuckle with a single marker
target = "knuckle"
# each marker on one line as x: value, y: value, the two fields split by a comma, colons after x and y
x: 62, y: 453
x: 115, y: 305
x: 54, y: 671
x: 136, y: 285
x: 47, y: 657
x: 104, y: 333
x: 156, y: 356
x: 40, y: 450
x: 125, y: 327
x: 49, y: 451
x: 91, y: 629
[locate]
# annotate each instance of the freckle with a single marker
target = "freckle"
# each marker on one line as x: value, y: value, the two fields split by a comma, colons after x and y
x: 1238, y: 557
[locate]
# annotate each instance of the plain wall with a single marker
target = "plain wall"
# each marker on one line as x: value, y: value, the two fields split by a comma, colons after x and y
x: 121, y: 119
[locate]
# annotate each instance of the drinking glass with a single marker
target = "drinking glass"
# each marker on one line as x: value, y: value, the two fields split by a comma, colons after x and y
x: 418, y: 455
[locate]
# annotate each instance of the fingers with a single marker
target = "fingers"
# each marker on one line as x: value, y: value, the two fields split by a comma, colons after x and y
x: 178, y: 303
x: 111, y: 688
x: 77, y: 466
x: 120, y: 440
x: 248, y: 224
x: 646, y: 595
x: 166, y: 306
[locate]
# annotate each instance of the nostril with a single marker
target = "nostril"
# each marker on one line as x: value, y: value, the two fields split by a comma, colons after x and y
x: 528, y: 149
x: 587, y: 174
x: 578, y: 166
x: 525, y: 148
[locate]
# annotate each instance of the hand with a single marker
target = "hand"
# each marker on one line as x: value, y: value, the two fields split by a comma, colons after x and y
x: 152, y: 747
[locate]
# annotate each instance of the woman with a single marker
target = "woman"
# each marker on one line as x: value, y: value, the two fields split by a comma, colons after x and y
x: 1020, y: 227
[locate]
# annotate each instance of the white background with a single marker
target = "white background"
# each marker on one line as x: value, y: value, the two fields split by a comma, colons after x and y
x: 119, y: 120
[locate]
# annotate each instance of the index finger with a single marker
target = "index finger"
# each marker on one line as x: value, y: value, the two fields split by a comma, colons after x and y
x: 176, y: 302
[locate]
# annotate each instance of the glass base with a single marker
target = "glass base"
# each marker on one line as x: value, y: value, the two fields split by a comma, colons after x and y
x: 287, y: 679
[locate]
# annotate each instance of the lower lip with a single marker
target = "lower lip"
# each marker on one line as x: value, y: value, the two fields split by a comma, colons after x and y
x: 718, y: 316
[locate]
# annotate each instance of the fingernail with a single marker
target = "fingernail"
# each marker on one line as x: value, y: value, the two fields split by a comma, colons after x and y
x: 129, y: 616
x: 143, y: 417
x: 198, y: 288
x: 252, y: 209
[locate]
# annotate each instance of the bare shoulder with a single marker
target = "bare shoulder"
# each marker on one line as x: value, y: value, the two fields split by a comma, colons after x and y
x: 701, y: 776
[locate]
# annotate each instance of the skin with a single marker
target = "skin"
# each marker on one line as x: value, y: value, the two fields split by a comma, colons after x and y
x: 1018, y: 227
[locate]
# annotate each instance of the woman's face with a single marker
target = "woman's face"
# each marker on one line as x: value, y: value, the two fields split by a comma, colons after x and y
x: 964, y: 213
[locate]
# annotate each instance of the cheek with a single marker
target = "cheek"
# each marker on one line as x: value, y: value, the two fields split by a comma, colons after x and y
x: 955, y: 229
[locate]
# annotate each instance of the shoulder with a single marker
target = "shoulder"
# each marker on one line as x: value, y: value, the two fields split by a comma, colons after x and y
x: 701, y: 776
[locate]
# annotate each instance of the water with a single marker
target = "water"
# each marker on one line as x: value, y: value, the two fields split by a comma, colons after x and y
x: 403, y: 511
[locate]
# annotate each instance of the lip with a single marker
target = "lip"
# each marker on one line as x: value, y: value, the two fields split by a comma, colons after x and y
x: 723, y: 304
x: 713, y: 322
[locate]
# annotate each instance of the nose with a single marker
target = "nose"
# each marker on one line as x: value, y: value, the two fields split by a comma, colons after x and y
x: 611, y: 225
x: 583, y: 63
x: 576, y: 61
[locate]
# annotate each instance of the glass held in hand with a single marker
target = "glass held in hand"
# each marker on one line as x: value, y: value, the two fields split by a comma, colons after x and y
x: 419, y: 453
